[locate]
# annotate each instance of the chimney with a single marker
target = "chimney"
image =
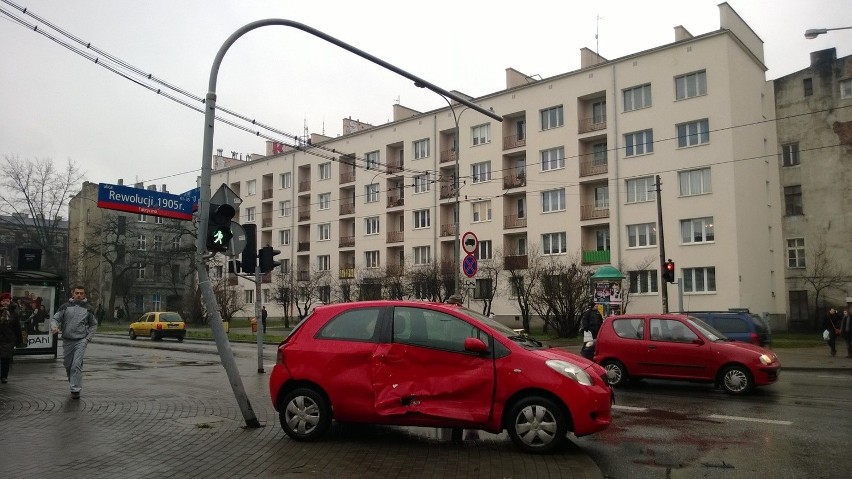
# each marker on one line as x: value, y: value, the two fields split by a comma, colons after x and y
x: 164, y: 190
x: 121, y: 181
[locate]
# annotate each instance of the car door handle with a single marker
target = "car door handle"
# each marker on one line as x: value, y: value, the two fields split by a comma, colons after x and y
x: 652, y: 347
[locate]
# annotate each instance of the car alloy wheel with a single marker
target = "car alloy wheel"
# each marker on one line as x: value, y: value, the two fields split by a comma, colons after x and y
x: 305, y: 414
x: 537, y: 425
x: 616, y: 374
x: 736, y: 380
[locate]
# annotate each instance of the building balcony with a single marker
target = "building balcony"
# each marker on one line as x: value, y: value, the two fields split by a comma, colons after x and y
x: 347, y: 208
x: 303, y: 275
x: 395, y: 201
x: 304, y: 186
x: 593, y: 167
x: 302, y: 246
x: 347, y: 272
x: 347, y: 241
x: 596, y: 257
x: 594, y: 212
x: 513, y: 262
x: 347, y: 177
x: 447, y: 191
x: 514, y: 181
x: 266, y: 278
x: 449, y: 229
x: 266, y: 194
x: 394, y: 271
x: 591, y: 124
x: 514, y: 221
x: 393, y: 167
x: 396, y: 236
x: 448, y: 156
x: 266, y: 221
x: 304, y: 213
x: 514, y: 141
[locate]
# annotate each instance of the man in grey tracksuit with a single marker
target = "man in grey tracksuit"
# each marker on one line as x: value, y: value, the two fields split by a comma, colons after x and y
x: 77, y: 324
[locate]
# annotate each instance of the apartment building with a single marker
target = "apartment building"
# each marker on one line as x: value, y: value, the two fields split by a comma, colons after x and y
x: 814, y: 110
x: 569, y: 172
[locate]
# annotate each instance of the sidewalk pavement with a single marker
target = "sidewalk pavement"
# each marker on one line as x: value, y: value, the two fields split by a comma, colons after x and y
x: 176, y: 416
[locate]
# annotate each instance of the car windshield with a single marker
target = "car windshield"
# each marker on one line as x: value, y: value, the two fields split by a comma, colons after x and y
x: 708, y: 331
x: 517, y: 336
x: 170, y: 317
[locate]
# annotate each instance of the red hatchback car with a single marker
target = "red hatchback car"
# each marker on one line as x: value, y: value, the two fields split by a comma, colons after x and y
x: 410, y: 363
x: 677, y: 346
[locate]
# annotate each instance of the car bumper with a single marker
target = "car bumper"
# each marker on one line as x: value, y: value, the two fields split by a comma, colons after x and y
x: 767, y: 375
x: 280, y: 375
x: 170, y: 333
x: 591, y: 411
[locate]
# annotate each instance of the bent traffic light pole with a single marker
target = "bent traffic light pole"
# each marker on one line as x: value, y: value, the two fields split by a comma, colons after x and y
x: 204, y: 285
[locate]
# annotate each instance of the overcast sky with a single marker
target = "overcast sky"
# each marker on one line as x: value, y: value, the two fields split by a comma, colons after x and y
x: 56, y: 104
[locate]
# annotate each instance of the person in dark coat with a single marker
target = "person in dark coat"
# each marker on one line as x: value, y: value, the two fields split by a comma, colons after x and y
x: 832, y: 324
x: 263, y: 315
x: 846, y: 331
x: 592, y: 320
x: 10, y: 335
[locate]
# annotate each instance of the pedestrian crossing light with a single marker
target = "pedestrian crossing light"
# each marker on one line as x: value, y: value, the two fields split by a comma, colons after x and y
x: 219, y: 232
x: 669, y: 272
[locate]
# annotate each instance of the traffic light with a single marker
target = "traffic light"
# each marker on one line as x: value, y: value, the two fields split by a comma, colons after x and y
x: 669, y: 272
x: 266, y: 255
x: 249, y: 256
x: 234, y: 266
x: 219, y: 232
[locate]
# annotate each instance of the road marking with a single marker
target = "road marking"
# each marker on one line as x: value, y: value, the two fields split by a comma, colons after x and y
x: 629, y: 408
x: 751, y: 419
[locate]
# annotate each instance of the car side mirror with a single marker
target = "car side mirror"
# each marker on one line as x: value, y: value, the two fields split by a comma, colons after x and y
x: 698, y: 341
x: 475, y: 345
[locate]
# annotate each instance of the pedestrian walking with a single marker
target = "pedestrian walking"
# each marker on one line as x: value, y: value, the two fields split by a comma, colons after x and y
x: 592, y: 320
x: 10, y: 335
x: 77, y: 324
x: 846, y: 331
x: 263, y: 315
x: 831, y: 323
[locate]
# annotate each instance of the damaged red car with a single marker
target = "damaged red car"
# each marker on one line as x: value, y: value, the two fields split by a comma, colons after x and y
x: 411, y: 363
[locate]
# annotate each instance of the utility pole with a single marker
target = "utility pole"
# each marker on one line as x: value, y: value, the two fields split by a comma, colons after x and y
x: 664, y: 285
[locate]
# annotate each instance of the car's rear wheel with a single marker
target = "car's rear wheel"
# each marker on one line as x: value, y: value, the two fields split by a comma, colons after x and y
x: 616, y: 373
x: 537, y: 425
x: 736, y: 380
x: 180, y: 338
x: 305, y: 414
x: 154, y: 336
x: 132, y: 334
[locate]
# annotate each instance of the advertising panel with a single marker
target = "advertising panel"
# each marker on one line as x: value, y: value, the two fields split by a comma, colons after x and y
x: 35, y: 307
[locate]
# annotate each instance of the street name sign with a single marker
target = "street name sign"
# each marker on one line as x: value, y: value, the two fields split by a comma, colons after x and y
x: 145, y: 202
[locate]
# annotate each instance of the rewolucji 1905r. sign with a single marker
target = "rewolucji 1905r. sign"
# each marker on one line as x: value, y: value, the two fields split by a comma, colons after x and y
x: 147, y: 202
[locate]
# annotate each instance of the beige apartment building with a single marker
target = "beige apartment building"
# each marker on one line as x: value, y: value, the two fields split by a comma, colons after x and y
x: 814, y: 110
x: 569, y: 172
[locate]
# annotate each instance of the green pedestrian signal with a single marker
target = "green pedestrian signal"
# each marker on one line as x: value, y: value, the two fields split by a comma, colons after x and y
x: 219, y: 232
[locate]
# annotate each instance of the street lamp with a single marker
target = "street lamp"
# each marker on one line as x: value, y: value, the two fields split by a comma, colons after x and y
x: 812, y: 33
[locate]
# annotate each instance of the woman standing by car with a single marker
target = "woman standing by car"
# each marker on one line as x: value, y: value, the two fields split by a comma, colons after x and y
x: 10, y: 335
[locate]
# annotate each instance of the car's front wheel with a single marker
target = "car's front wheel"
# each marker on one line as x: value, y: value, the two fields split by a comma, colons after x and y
x: 154, y: 336
x: 616, y: 373
x: 537, y: 425
x: 736, y: 380
x: 305, y: 414
x: 132, y: 334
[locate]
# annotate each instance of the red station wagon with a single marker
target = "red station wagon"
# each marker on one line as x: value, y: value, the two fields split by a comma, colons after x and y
x: 411, y: 363
x: 683, y: 347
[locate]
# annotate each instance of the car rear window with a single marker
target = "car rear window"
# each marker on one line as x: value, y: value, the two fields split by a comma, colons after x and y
x: 354, y: 324
x: 629, y: 328
x: 731, y: 324
x: 170, y: 317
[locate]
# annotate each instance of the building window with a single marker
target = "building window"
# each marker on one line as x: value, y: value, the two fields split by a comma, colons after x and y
x: 421, y: 219
x: 140, y: 271
x: 422, y: 255
x: 601, y: 197
x: 250, y: 214
x: 481, y: 172
x: 372, y: 160
x: 484, y: 251
x: 371, y: 225
x: 796, y: 253
x: 141, y: 218
x: 552, y: 118
x: 141, y: 243
x: 158, y: 243
x: 693, y: 133
x: 286, y: 180
x: 285, y: 265
x: 158, y: 271
x: 251, y: 187
x: 371, y: 193
x: 323, y: 262
x: 694, y: 182
x: 483, y: 289
x: 699, y: 280
x: 799, y: 309
x: 639, y: 143
x: 846, y: 89
x: 808, y: 85
x: 790, y: 154
x: 691, y: 85
x: 421, y: 183
x: 284, y: 237
x: 249, y: 296
x: 285, y: 208
x: 553, y: 200
x: 553, y: 159
x: 324, y: 200
x: 641, y: 235
x: 522, y: 207
x: 158, y: 220
x: 324, y: 232
x: 481, y: 211
x: 139, y: 301
x: 793, y: 200
x: 325, y: 171
x: 481, y: 134
x: 641, y: 189
x: 516, y: 286
x: 371, y: 259
x: 697, y: 230
x: 599, y: 112
x: 554, y: 243
x: 176, y: 243
x: 421, y: 148
x: 637, y: 97
x: 599, y: 154
x: 643, y: 281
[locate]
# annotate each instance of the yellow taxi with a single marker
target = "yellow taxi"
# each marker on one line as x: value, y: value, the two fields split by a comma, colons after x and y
x: 158, y: 325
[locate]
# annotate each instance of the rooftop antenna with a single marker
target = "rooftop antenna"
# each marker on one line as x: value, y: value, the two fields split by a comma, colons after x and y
x: 597, y: 29
x: 396, y: 100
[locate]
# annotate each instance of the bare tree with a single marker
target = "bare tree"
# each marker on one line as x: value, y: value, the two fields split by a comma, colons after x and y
x: 488, y: 275
x: 822, y: 274
x: 370, y: 284
x: 34, y: 194
x: 562, y: 294
x: 395, y: 282
x: 432, y: 281
x: 230, y: 299
x: 308, y: 286
x: 627, y: 286
x: 284, y: 291
x: 524, y: 276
